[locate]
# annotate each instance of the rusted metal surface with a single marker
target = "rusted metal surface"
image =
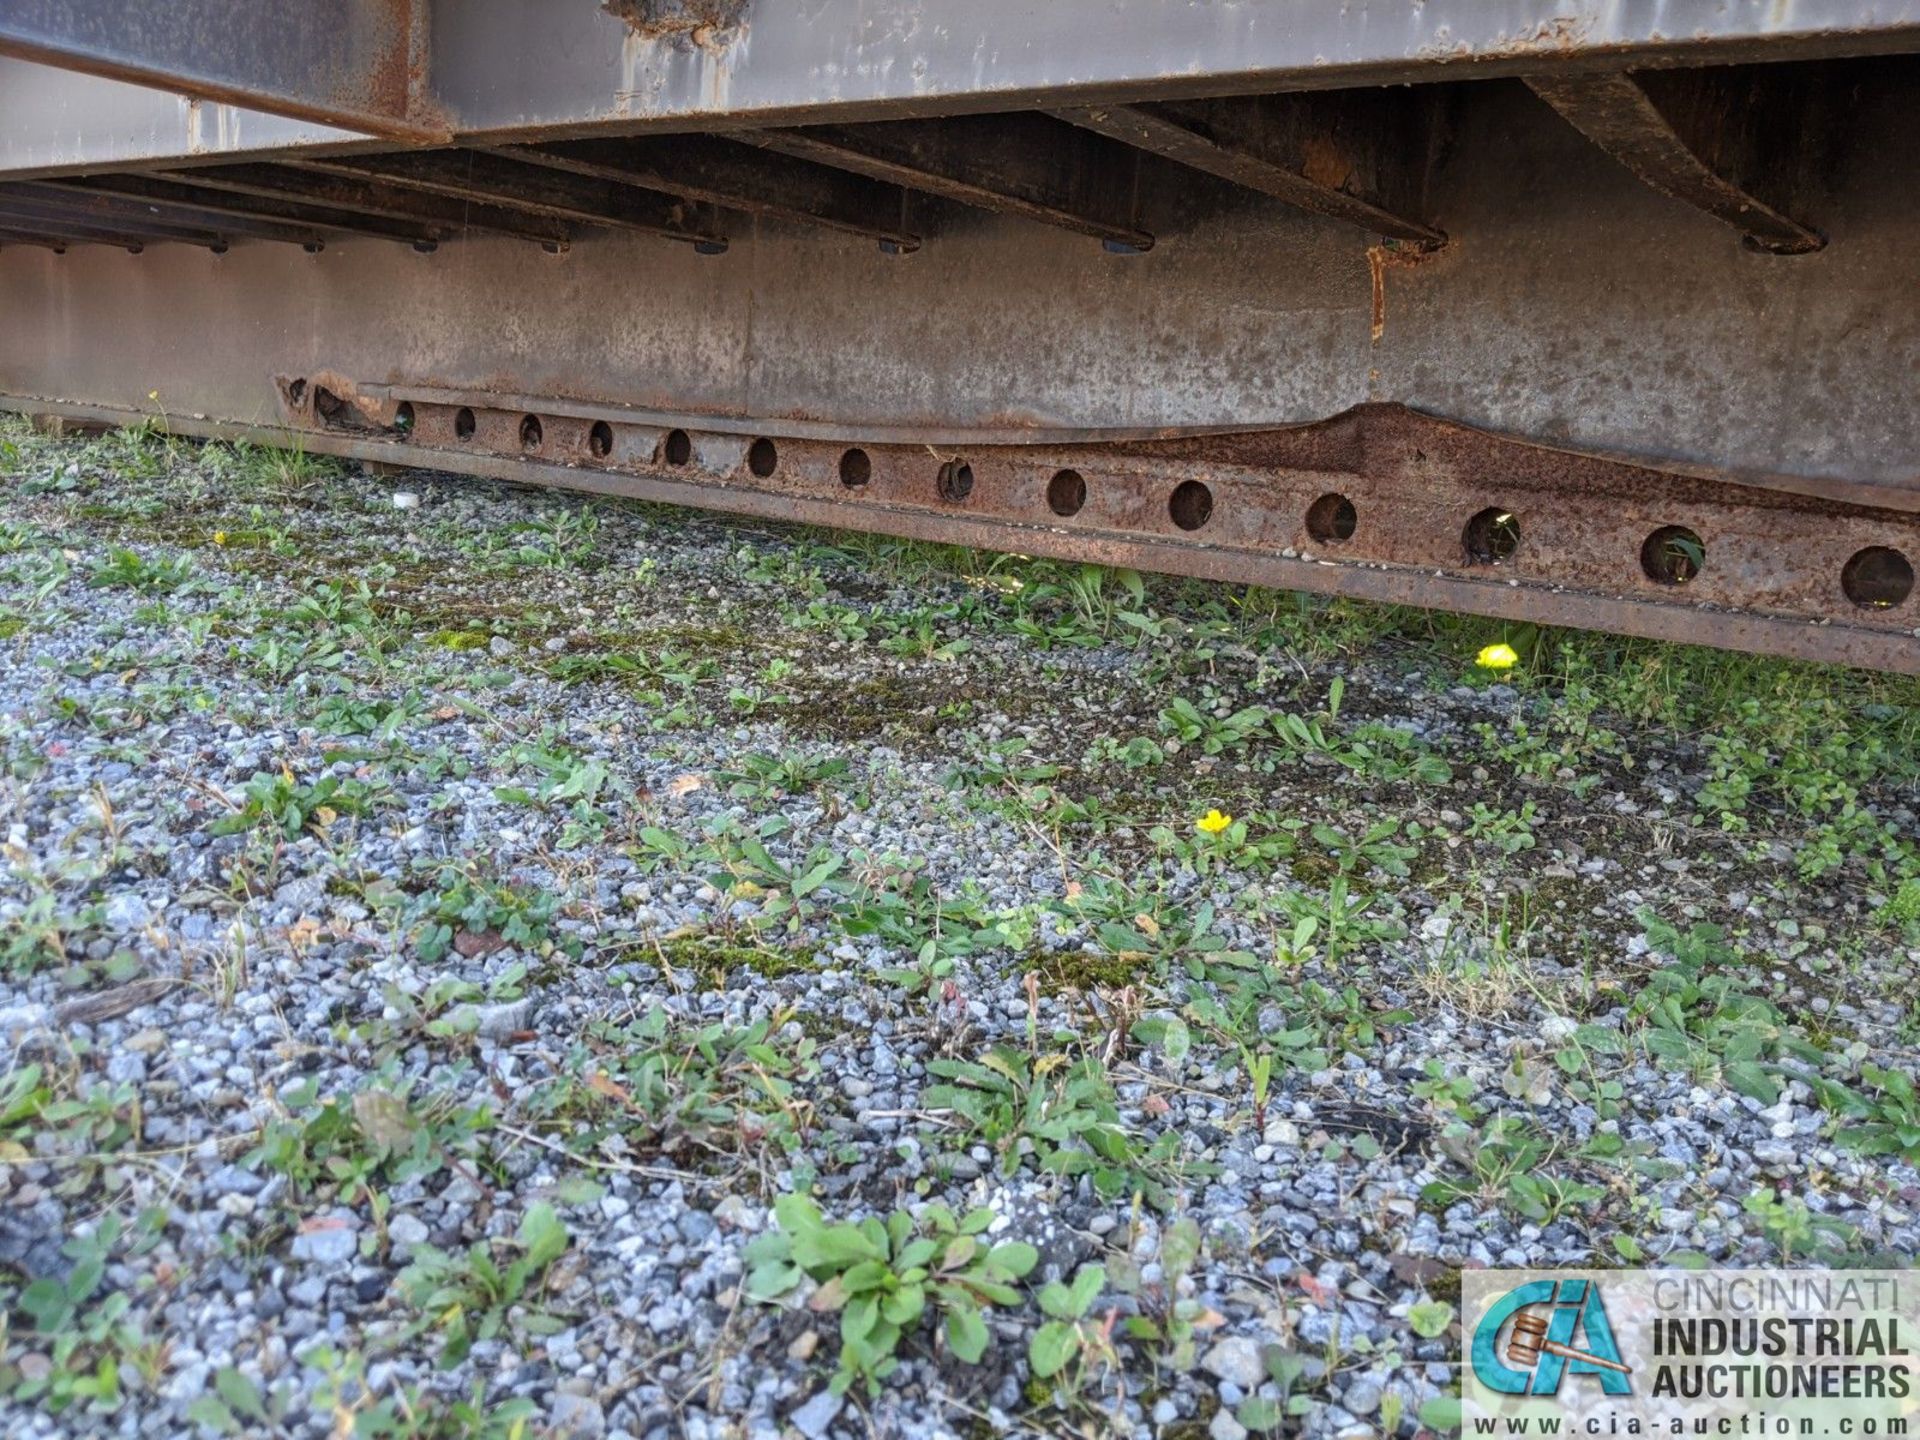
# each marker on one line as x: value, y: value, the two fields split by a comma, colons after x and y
x: 349, y: 63
x: 490, y: 179
x: 1239, y: 509
x: 1032, y: 166
x: 702, y: 167
x: 1618, y: 114
x: 1360, y: 157
x: 1379, y: 485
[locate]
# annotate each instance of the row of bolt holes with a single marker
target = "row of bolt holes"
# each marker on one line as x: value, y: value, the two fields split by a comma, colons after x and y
x: 1876, y: 578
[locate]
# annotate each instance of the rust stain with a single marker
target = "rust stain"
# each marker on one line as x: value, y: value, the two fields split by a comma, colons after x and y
x: 1324, y: 163
x: 327, y: 399
x: 1377, y: 268
x: 1390, y: 255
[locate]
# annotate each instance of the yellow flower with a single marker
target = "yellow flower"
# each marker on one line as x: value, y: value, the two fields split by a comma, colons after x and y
x: 1497, y: 657
x: 219, y: 537
x: 1213, y: 822
x: 153, y: 394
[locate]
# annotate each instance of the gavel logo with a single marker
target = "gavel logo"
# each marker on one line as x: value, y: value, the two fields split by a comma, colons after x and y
x: 1528, y: 1341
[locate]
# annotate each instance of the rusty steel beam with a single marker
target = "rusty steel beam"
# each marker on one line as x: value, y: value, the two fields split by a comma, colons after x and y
x: 59, y: 197
x: 739, y: 177
x: 360, y: 196
x: 1379, y: 504
x: 348, y: 63
x: 489, y: 179
x: 1620, y: 114
x: 163, y: 190
x: 1022, y: 164
x: 1360, y: 157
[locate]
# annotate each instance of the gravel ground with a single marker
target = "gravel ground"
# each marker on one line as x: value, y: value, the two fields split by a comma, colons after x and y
x: 442, y: 923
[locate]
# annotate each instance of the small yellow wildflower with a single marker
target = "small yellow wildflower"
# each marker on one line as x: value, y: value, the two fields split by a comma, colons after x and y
x: 1497, y: 657
x: 153, y: 394
x: 1213, y: 822
x: 219, y: 537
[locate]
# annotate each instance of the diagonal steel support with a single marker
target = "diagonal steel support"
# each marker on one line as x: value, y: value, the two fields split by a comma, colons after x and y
x: 106, y: 228
x: 168, y: 190
x: 1619, y: 114
x: 57, y: 198
x: 468, y: 175
x: 361, y: 195
x: 1020, y: 164
x: 702, y: 167
x: 351, y: 63
x: 1359, y: 157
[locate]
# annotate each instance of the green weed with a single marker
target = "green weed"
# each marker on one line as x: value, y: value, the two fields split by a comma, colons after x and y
x: 884, y: 1277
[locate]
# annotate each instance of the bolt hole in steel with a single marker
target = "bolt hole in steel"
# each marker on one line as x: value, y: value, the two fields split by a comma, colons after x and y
x: 463, y: 425
x: 1066, y: 492
x: 403, y: 418
x: 1332, y: 518
x: 1190, y: 505
x: 1491, y: 537
x: 955, y: 480
x: 600, y: 440
x: 855, y: 469
x: 530, y: 432
x: 1877, y: 578
x: 1673, y: 555
x: 677, y: 448
x: 762, y: 457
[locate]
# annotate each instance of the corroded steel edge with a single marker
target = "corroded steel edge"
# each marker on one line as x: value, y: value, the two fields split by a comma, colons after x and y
x: 1654, y: 617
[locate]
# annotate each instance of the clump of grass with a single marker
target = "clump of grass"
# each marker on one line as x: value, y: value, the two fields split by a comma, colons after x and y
x: 271, y: 469
x: 716, y: 1092
x: 125, y: 569
x: 471, y: 1297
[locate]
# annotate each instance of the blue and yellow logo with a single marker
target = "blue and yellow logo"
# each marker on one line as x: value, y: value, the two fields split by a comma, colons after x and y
x: 1572, y: 1336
